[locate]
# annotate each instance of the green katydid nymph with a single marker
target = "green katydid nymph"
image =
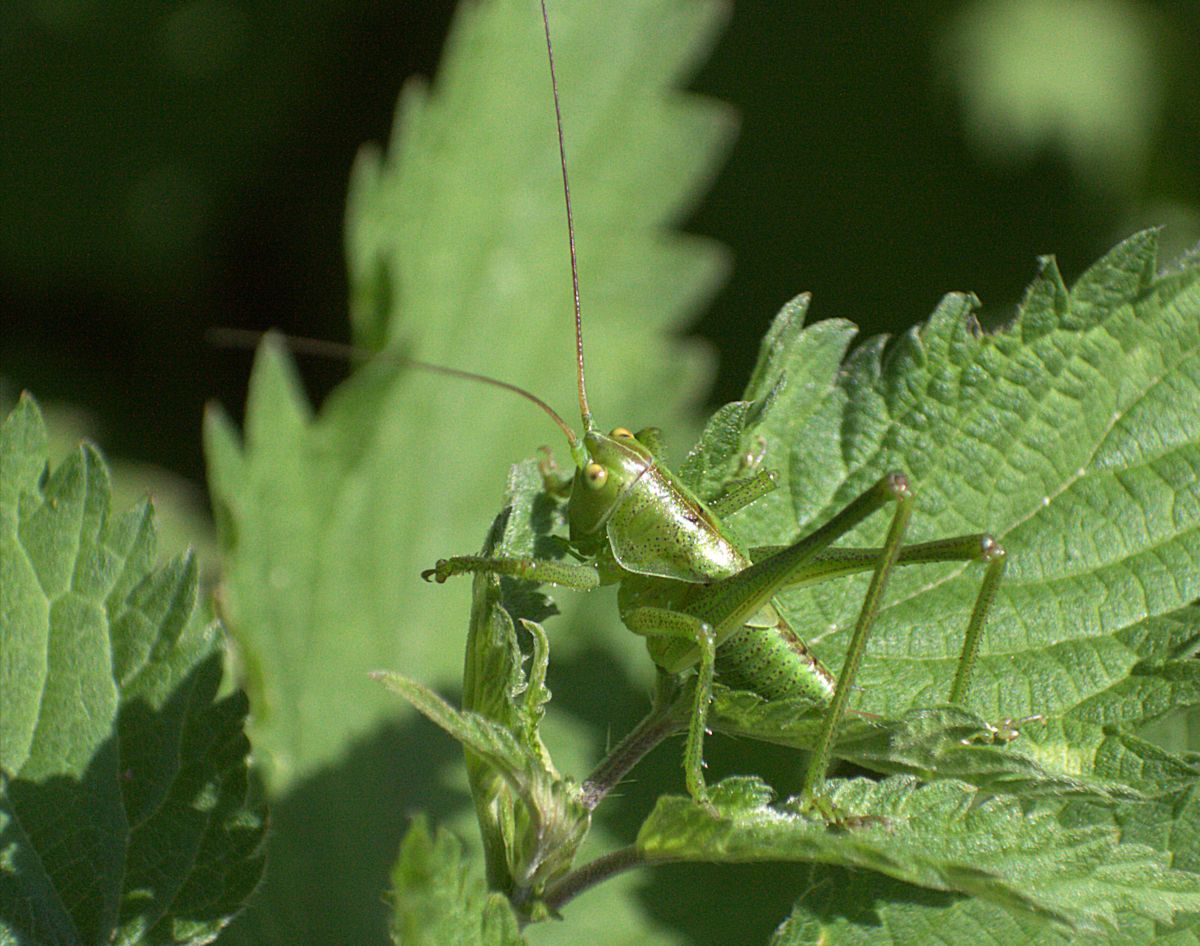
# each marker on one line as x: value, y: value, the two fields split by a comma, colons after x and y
x: 703, y: 602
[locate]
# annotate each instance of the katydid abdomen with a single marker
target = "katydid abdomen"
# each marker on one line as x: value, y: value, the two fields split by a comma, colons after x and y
x: 774, y: 663
x: 763, y: 654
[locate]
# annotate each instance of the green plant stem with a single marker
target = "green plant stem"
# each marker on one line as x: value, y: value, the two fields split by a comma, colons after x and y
x: 560, y: 894
x: 663, y: 720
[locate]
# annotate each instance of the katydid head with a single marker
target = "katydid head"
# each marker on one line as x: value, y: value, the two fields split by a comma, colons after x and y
x: 615, y: 461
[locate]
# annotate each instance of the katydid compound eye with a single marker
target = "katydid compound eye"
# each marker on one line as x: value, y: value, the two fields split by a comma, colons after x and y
x: 596, y: 475
x: 621, y: 433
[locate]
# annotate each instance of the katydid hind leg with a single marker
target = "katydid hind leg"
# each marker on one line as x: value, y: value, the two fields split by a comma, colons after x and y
x: 833, y: 563
x: 724, y: 608
x: 979, y: 547
x: 840, y: 561
x: 734, y: 601
x: 767, y: 656
x: 896, y: 487
x: 994, y: 555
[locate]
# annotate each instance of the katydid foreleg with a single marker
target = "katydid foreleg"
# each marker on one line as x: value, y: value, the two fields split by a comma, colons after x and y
x: 543, y: 571
x: 659, y: 624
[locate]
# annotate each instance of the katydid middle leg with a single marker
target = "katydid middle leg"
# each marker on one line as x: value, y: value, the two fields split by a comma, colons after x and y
x: 741, y: 493
x: 679, y: 625
x: 970, y: 547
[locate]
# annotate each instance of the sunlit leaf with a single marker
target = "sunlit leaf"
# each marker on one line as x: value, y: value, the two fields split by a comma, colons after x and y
x: 125, y: 813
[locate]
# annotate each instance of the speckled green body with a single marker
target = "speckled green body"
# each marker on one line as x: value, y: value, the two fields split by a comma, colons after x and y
x: 666, y: 548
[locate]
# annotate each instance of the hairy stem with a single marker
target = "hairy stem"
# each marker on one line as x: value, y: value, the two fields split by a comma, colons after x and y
x: 560, y: 894
x: 647, y: 734
x: 663, y: 720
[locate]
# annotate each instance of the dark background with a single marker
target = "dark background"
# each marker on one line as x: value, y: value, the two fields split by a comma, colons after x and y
x: 171, y: 167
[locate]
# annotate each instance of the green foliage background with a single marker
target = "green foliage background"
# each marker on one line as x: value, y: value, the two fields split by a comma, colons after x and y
x: 172, y: 179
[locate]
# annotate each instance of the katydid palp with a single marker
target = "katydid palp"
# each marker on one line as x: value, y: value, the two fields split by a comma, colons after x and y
x: 701, y: 600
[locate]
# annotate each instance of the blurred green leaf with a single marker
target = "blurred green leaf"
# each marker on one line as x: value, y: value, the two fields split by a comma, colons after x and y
x: 457, y: 251
x: 438, y: 902
x: 1084, y: 78
x: 124, y: 807
x: 312, y: 497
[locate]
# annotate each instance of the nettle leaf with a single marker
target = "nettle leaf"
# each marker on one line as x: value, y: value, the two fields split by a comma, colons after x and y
x: 797, y: 365
x: 1073, y: 436
x: 457, y: 254
x: 938, y: 742
x: 437, y: 901
x: 456, y: 245
x: 480, y: 735
x: 534, y: 825
x: 941, y: 836
x: 531, y: 835
x: 853, y: 907
x: 125, y: 814
x: 1166, y: 675
x: 495, y: 681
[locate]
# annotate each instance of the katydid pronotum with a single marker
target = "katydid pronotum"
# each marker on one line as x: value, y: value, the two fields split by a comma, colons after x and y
x: 701, y: 601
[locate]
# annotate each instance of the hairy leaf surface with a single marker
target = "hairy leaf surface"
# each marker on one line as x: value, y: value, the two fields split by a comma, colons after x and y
x: 1072, y: 436
x: 941, y: 836
x: 124, y: 808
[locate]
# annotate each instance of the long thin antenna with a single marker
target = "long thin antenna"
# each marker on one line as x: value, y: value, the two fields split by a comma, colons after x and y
x: 584, y: 410
x: 320, y: 348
